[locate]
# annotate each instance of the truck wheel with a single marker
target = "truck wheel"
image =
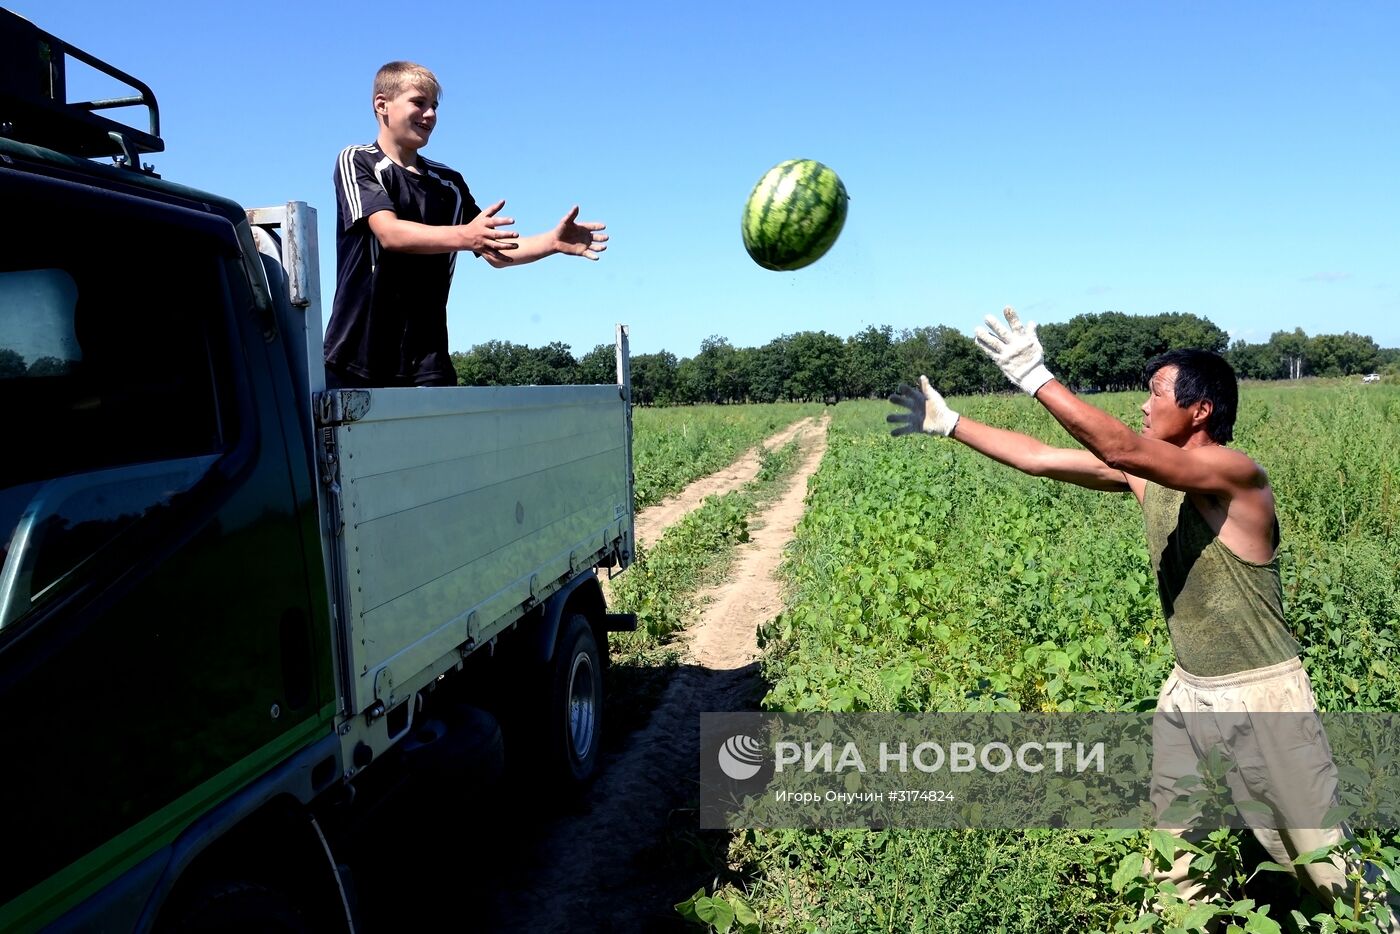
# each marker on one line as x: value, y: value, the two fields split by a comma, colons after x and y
x: 575, y: 716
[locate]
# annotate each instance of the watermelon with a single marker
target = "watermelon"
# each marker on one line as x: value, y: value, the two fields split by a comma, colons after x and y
x: 794, y: 214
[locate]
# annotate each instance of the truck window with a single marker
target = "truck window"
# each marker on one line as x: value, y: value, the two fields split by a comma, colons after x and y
x: 111, y: 361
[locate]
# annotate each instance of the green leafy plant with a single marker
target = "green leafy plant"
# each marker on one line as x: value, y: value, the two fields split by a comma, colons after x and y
x: 720, y: 913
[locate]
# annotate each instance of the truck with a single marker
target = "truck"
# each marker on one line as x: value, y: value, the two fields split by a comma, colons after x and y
x: 227, y: 594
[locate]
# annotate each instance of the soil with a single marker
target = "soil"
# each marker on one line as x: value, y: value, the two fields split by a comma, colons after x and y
x: 619, y: 856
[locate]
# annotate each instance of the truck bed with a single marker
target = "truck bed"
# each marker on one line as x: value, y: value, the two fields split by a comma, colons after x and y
x: 458, y: 509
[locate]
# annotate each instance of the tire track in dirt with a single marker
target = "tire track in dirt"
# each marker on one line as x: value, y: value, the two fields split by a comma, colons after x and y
x: 726, y: 636
x: 654, y: 520
x: 613, y: 866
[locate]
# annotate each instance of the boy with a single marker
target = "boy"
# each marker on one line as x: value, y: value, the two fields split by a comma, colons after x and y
x: 402, y: 221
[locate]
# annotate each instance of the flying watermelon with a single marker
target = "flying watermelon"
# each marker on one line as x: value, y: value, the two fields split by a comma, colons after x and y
x: 794, y: 214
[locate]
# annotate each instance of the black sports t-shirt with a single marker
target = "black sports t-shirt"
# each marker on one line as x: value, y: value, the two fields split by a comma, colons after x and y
x: 389, y: 318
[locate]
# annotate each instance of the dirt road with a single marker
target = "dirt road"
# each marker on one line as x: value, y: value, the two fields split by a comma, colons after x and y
x: 654, y: 520
x: 608, y: 868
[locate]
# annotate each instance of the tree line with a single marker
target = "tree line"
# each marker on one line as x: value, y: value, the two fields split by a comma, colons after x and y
x: 1091, y: 352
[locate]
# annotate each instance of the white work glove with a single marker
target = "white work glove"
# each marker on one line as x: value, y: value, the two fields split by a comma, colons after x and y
x: 1016, y: 350
x: 927, y: 411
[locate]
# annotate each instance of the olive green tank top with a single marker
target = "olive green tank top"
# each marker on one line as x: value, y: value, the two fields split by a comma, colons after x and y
x: 1225, y: 614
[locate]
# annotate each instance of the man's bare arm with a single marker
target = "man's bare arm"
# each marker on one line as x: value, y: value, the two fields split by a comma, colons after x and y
x: 926, y: 412
x: 1034, y: 457
x: 1209, y: 469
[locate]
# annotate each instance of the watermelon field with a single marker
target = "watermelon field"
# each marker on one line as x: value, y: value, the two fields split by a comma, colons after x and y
x: 924, y: 577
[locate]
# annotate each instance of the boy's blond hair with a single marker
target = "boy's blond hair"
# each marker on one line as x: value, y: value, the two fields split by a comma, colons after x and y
x: 395, y: 77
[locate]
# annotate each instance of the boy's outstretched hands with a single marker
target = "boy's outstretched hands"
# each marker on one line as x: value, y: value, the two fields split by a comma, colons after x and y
x: 579, y: 238
x: 484, y: 236
x: 1015, y: 348
x: 928, y: 413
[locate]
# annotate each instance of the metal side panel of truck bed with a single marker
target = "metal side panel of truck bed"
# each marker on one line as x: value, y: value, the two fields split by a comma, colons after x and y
x: 456, y: 509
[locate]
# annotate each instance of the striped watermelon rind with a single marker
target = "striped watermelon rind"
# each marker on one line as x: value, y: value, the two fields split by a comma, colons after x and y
x: 794, y: 214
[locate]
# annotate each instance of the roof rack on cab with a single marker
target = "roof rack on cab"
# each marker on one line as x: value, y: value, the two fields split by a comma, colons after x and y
x: 34, y: 105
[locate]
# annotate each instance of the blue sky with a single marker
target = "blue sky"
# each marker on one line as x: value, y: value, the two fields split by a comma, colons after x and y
x: 1233, y: 160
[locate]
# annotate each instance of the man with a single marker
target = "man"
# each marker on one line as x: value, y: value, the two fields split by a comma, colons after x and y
x: 402, y: 221
x: 1213, y: 536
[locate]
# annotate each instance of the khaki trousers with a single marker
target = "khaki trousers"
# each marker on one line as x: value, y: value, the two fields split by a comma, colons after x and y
x: 1283, y: 762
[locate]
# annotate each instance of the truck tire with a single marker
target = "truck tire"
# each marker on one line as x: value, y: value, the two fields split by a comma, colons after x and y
x: 574, y: 718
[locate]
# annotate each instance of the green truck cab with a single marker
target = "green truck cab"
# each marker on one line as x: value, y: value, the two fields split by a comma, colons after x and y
x: 225, y: 592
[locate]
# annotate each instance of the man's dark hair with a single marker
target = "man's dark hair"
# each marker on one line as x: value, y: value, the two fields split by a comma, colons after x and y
x: 1201, y: 374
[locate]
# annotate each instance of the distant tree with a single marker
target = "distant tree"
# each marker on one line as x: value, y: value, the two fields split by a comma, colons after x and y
x: 515, y: 364
x: 1291, y: 348
x: 870, y: 367
x: 699, y: 379
x: 599, y: 365
x: 690, y: 385
x: 1343, y: 354
x: 550, y: 365
x: 1102, y: 351
x: 464, y: 368
x: 1108, y: 351
x: 734, y: 376
x: 49, y: 366
x: 720, y: 371
x: 1054, y: 340
x: 1179, y: 330
x: 746, y: 362
x: 950, y: 359
x: 11, y: 364
x: 769, y: 370
x: 494, y: 363
x: 967, y: 370
x: 501, y: 363
x: 915, y: 350
x: 814, y: 372
x: 1254, y: 361
x: 654, y: 378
